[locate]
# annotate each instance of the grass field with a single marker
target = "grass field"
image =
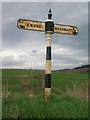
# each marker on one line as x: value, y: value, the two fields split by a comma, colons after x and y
x: 23, y: 95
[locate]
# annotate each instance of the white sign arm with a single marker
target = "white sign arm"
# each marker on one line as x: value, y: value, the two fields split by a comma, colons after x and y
x: 65, y: 29
x: 31, y: 25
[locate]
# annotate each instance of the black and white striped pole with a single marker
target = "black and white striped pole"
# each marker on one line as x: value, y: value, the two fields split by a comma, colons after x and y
x: 49, y: 30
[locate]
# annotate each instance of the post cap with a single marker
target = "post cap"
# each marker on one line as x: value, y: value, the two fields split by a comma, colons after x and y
x: 49, y: 14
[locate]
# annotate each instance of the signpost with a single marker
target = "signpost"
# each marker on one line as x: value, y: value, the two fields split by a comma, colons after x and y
x: 49, y: 27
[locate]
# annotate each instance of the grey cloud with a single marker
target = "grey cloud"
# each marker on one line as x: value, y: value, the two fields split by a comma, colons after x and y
x: 75, y: 43
x: 11, y: 62
x: 23, y: 42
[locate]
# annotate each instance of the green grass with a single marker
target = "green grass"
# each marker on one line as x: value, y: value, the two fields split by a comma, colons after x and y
x: 17, y: 72
x: 19, y: 80
x: 70, y: 103
x: 63, y: 80
x: 59, y: 107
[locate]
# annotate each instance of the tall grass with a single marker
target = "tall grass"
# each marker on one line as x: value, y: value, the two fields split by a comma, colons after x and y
x: 59, y: 107
x: 63, y: 80
x: 24, y: 98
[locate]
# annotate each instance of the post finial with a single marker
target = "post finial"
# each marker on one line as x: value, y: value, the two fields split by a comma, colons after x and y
x: 50, y: 11
x: 49, y: 14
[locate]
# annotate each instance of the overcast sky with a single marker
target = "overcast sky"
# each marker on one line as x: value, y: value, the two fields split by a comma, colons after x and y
x: 17, y: 45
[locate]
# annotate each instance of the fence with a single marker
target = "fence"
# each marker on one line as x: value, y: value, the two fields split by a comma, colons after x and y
x: 32, y: 84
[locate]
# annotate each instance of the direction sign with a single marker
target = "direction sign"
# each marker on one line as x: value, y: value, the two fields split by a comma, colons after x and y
x: 40, y: 26
x: 65, y: 29
x: 31, y: 25
x: 49, y: 27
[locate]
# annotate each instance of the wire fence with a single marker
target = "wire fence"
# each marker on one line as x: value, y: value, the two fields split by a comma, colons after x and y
x: 32, y: 84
